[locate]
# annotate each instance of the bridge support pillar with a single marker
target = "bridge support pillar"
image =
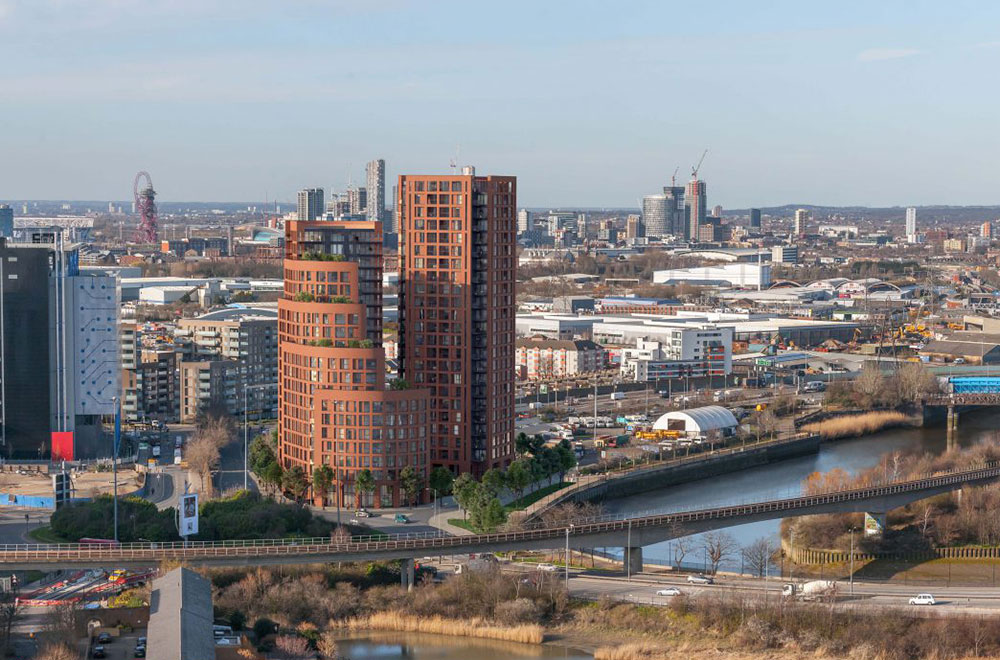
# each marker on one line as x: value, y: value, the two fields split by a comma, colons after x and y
x: 406, y: 573
x: 633, y: 560
x: 952, y: 424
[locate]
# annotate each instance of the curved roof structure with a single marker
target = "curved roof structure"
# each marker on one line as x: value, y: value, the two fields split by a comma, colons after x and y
x: 698, y: 420
x: 785, y: 284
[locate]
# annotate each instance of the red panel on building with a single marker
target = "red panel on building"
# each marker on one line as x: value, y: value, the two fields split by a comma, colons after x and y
x: 62, y: 445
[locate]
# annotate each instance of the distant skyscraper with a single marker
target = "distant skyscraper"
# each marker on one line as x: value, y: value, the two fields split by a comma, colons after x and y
x: 801, y: 218
x: 523, y: 221
x: 717, y: 211
x: 357, y: 199
x: 375, y: 175
x: 911, y: 225
x: 310, y: 204
x: 581, y: 227
x: 633, y: 227
x: 755, y: 218
x: 6, y: 221
x: 392, y: 226
x: 695, y: 201
x: 676, y: 223
x: 656, y: 215
x: 986, y: 231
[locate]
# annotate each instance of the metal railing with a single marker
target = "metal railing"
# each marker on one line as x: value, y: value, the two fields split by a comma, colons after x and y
x: 439, y: 543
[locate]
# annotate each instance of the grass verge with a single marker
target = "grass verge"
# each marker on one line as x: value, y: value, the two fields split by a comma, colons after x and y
x: 46, y: 535
x: 464, y: 524
x: 532, y: 497
x: 395, y: 621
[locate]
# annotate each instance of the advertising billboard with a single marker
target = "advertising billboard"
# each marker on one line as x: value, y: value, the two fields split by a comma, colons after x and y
x: 189, y: 514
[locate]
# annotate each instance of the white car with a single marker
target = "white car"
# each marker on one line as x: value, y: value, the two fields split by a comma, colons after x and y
x: 548, y: 567
x: 670, y: 591
x: 922, y: 599
x: 700, y: 579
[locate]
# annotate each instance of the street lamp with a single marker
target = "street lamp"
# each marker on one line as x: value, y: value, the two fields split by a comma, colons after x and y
x: 114, y: 459
x: 567, y: 556
x: 852, y: 560
x: 246, y: 433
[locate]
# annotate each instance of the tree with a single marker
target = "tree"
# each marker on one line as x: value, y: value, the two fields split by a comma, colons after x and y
x: 718, y: 546
x: 757, y: 555
x: 487, y: 513
x: 765, y: 423
x: 494, y: 481
x: 262, y: 453
x: 10, y: 611
x: 525, y: 444
x: 870, y: 384
x: 273, y: 475
x: 519, y: 476
x: 681, y: 546
x: 441, y: 481
x: 292, y: 647
x: 364, y: 482
x: 203, y: 457
x: 566, y: 457
x: 915, y: 382
x: 322, y: 481
x: 409, y: 481
x: 295, y: 482
x: 466, y: 490
x: 57, y: 651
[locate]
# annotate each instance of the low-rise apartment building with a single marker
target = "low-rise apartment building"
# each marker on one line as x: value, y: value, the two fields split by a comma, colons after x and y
x: 542, y: 359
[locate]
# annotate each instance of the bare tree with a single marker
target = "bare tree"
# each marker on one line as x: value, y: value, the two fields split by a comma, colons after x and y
x: 870, y: 383
x: 203, y: 457
x: 60, y: 625
x: 718, y: 546
x: 681, y: 546
x: 10, y: 611
x: 292, y: 647
x: 57, y: 651
x: 757, y: 555
x: 914, y: 382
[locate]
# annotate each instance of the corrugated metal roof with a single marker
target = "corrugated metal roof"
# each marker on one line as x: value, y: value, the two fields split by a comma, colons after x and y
x: 180, y: 617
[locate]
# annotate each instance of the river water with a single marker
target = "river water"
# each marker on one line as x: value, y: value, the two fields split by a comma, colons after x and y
x: 417, y: 646
x: 784, y: 479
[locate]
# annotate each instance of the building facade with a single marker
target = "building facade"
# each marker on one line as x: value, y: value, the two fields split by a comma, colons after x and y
x: 335, y: 408
x: 457, y: 309
x: 690, y: 352
x: 547, y: 359
x: 695, y: 201
x: 149, y: 377
x: 375, y: 182
x: 310, y: 204
x: 755, y: 218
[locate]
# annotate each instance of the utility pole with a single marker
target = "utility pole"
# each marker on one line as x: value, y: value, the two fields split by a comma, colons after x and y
x: 114, y: 458
x: 595, y: 412
x: 852, y: 561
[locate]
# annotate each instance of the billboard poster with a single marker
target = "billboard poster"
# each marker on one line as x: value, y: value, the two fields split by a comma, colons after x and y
x: 873, y: 526
x: 189, y: 515
x: 62, y: 446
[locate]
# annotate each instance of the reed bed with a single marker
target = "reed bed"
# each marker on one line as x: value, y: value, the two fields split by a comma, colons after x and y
x: 633, y: 651
x: 855, y: 425
x: 397, y: 621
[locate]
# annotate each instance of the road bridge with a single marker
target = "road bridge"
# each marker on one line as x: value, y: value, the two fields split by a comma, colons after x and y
x: 631, y: 533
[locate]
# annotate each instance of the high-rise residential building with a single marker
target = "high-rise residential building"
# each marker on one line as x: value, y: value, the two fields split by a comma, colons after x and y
x: 335, y: 407
x: 986, y: 230
x: 357, y: 200
x: 523, y: 221
x: 911, y: 225
x: 375, y: 181
x: 6, y: 221
x: 582, y: 231
x: 801, y: 218
x: 695, y: 201
x: 457, y: 274
x: 226, y: 354
x: 310, y: 204
x: 59, y: 356
x: 755, y: 218
x: 656, y: 217
x: 677, y: 224
x: 633, y: 227
x: 717, y: 211
x: 149, y: 375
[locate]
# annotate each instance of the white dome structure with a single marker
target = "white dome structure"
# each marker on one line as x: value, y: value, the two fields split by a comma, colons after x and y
x: 697, y: 421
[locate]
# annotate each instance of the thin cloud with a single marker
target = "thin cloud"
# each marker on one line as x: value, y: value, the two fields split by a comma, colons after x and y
x: 880, y: 54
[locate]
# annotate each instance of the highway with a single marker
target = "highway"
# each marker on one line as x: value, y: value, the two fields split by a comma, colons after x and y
x: 642, y: 589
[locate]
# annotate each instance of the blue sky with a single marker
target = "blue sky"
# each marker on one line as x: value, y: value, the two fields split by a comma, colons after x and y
x: 589, y: 103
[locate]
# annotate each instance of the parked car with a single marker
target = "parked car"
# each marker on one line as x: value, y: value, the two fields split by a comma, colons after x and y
x: 669, y: 591
x: 362, y: 513
x: 922, y: 599
x: 104, y: 638
x: 401, y: 518
x: 700, y: 579
x: 140, y: 652
x: 548, y: 567
x: 99, y: 652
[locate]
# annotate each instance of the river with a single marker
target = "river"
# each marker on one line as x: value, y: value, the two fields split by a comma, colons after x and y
x: 784, y: 479
x: 418, y: 646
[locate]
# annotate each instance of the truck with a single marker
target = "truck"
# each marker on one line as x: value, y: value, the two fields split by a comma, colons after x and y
x: 617, y: 396
x: 812, y: 590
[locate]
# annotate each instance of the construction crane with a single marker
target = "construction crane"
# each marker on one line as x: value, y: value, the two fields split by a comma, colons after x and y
x: 673, y: 177
x: 694, y: 170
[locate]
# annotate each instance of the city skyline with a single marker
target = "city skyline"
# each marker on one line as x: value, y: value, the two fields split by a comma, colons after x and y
x: 231, y: 92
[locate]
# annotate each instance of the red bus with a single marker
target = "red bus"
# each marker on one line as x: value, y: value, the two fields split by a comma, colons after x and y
x: 106, y: 543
